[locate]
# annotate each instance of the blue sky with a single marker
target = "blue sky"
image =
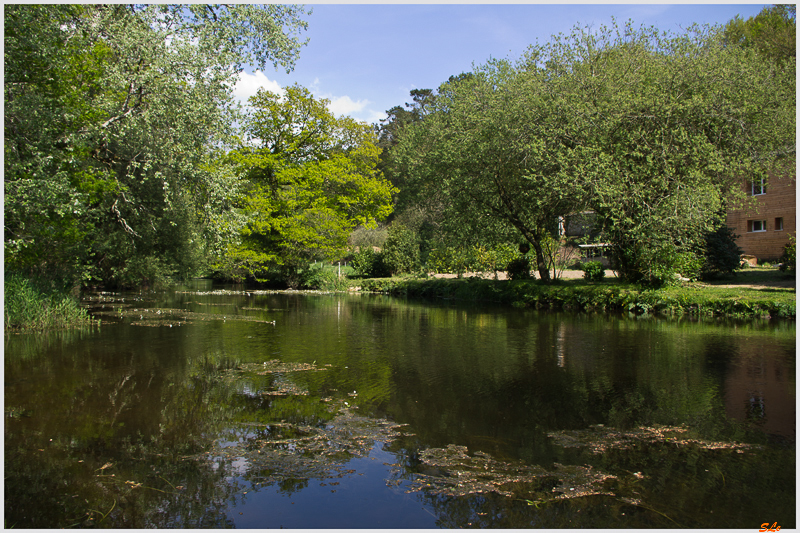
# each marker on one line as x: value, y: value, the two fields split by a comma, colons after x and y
x: 366, y: 58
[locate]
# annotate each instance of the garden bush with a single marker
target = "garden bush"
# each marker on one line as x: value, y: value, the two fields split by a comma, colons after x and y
x: 519, y: 268
x: 323, y: 279
x: 369, y: 264
x: 789, y: 256
x: 593, y: 271
x: 722, y: 254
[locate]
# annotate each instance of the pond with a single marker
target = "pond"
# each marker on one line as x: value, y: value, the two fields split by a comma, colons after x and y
x: 224, y: 407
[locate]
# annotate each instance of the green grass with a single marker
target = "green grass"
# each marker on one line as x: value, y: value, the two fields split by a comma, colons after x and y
x: 754, y: 276
x: 608, y: 295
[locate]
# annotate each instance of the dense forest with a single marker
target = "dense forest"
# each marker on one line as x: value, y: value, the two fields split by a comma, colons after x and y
x: 129, y: 163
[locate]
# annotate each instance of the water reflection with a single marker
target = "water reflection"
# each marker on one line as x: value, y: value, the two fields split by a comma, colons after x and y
x: 253, y: 409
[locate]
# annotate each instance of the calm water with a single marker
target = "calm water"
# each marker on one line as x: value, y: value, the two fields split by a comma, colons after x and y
x: 193, y: 409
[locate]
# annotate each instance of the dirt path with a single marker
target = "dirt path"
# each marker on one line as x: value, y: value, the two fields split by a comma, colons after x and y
x: 566, y: 274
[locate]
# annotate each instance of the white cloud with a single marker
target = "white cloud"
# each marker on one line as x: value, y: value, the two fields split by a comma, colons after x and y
x: 344, y: 105
x: 249, y: 84
x: 373, y: 117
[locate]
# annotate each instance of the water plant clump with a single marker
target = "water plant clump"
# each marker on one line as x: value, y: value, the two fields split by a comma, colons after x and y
x: 111, y: 308
x: 599, y: 439
x: 31, y: 305
x: 457, y: 473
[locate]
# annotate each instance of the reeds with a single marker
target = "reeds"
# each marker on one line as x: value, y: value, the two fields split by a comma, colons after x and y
x: 28, y: 306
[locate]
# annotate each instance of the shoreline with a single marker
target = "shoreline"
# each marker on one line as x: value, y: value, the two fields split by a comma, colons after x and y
x: 735, y: 301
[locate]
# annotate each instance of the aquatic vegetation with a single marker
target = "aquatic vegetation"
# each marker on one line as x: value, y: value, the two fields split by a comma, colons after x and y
x: 163, y: 317
x: 277, y: 452
x: 456, y: 473
x: 599, y: 439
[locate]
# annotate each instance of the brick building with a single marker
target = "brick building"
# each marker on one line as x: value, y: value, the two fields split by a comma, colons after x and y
x: 764, y: 229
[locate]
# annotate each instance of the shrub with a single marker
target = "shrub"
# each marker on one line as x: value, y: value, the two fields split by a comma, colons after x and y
x: 593, y: 271
x: 401, y: 250
x: 369, y: 264
x: 323, y: 279
x: 651, y: 264
x: 519, y: 268
x: 722, y: 254
x: 689, y: 264
x: 788, y: 258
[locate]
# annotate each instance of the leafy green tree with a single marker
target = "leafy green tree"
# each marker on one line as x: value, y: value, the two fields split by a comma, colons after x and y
x: 676, y: 121
x: 773, y: 32
x: 492, y: 149
x: 653, y: 131
x: 311, y: 180
x: 110, y: 111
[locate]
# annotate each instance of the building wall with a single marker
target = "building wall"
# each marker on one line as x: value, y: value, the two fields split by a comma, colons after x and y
x: 777, y: 203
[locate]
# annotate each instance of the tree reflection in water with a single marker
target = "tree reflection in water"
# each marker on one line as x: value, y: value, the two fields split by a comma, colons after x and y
x: 515, y: 419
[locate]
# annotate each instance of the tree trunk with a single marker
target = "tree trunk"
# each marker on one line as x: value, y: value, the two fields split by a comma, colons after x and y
x: 541, y: 264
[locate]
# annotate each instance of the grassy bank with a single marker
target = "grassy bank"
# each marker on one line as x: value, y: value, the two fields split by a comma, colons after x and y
x: 31, y: 305
x: 609, y: 295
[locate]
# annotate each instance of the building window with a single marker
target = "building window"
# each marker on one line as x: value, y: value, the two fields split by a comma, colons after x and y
x: 756, y: 225
x: 758, y: 187
x: 779, y: 224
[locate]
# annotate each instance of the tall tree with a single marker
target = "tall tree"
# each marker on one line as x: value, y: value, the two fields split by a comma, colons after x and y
x: 773, y: 32
x: 493, y: 147
x: 312, y: 178
x: 651, y: 130
x: 109, y: 113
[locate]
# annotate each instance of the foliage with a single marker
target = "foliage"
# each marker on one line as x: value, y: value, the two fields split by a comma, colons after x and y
x: 788, y: 261
x: 487, y: 155
x: 324, y: 279
x: 401, y: 250
x: 390, y: 129
x: 558, y: 254
x: 361, y: 236
x: 581, y: 295
x: 652, y: 131
x: 593, y: 270
x: 492, y: 258
x: 773, y: 32
x: 369, y: 263
x: 110, y: 111
x: 311, y: 180
x: 37, y: 304
x: 722, y: 254
x: 519, y: 268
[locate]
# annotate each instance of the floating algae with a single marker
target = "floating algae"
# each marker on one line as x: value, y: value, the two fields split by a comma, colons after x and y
x: 295, y: 452
x: 452, y: 471
x: 456, y: 473
x: 599, y: 439
x: 163, y: 317
x: 275, y: 453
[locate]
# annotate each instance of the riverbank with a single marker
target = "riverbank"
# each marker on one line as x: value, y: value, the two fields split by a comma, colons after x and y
x: 39, y: 304
x: 698, y: 299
